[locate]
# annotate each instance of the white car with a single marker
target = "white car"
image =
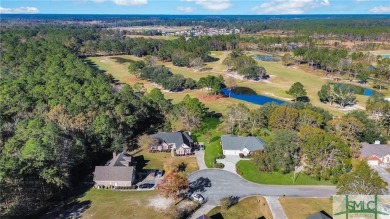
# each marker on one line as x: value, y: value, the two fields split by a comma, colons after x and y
x: 197, y: 197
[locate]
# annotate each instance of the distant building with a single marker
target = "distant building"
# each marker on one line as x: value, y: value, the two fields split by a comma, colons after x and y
x: 376, y: 154
x: 235, y: 145
x: 181, y: 142
x: 119, y: 172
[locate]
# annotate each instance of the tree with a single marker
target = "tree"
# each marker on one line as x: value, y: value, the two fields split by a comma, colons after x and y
x: 231, y: 83
x: 287, y: 59
x: 297, y: 90
x: 326, y: 94
x: 284, y: 117
x: 150, y: 61
x: 188, y: 114
x: 283, y: 150
x: 174, y: 185
x: 362, y: 181
x: 236, y: 118
x: 139, y: 88
x: 211, y: 83
x: 146, y: 141
x: 136, y: 67
x: 253, y: 72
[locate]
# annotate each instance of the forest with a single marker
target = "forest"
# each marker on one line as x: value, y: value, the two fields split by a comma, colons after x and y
x: 60, y: 115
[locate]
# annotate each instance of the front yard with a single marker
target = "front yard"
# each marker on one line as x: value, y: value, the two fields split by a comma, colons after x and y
x: 249, y: 172
x: 157, y: 161
x: 306, y: 206
x: 246, y: 208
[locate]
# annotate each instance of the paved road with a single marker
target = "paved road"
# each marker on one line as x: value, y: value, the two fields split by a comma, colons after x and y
x: 215, y: 184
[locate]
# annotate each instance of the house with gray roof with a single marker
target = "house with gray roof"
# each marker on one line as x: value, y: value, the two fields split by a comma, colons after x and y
x: 118, y: 172
x: 235, y: 145
x: 181, y: 142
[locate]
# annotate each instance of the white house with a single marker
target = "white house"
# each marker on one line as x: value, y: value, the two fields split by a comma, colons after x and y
x: 235, y: 145
x: 376, y: 154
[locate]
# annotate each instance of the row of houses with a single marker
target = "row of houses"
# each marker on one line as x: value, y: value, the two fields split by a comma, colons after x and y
x: 120, y: 171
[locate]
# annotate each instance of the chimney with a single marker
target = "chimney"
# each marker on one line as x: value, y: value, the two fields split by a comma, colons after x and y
x: 113, y: 155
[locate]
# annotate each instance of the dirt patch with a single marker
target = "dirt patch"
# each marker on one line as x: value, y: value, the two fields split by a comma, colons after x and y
x: 210, y: 98
x: 161, y: 203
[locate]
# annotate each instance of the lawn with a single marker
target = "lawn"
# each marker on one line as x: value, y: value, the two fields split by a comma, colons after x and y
x: 214, y: 148
x: 248, y: 168
x: 117, y: 67
x: 246, y: 208
x: 119, y: 204
x: 157, y: 160
x: 306, y: 206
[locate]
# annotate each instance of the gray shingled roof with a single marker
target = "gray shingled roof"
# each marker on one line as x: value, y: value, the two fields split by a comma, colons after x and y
x: 319, y: 215
x: 379, y: 150
x: 233, y: 142
x: 113, y: 173
x: 174, y: 137
x: 122, y: 159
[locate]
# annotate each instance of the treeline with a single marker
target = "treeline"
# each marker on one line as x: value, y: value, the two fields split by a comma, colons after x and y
x: 303, y: 135
x: 362, y: 28
x: 58, y: 116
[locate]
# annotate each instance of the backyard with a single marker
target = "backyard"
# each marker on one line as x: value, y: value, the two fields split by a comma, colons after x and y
x: 250, y: 173
x: 306, y: 206
x: 246, y: 208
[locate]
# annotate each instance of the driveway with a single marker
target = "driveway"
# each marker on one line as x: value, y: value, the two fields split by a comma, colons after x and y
x: 383, y: 174
x: 215, y: 184
x: 230, y: 162
x: 200, y: 159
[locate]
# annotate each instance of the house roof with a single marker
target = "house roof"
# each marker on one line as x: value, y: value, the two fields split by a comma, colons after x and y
x: 234, y: 142
x: 204, y: 217
x: 113, y: 173
x: 178, y: 138
x: 122, y: 159
x: 319, y: 215
x: 379, y: 150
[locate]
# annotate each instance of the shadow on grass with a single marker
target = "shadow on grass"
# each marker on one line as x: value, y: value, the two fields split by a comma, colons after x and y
x: 94, y: 66
x: 141, y: 162
x: 121, y: 60
x: 72, y: 207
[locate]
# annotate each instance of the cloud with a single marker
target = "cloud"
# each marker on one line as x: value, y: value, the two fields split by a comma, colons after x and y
x: 380, y: 10
x: 289, y: 6
x: 185, y: 9
x: 214, y: 5
x: 20, y: 10
x: 130, y: 2
x: 363, y: 0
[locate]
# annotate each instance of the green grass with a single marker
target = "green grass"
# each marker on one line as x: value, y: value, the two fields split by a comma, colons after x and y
x: 214, y: 148
x: 248, y: 168
x: 306, y: 206
x: 119, y: 204
x: 246, y: 208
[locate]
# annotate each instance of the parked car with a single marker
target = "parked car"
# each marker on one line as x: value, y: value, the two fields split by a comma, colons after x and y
x: 160, y: 173
x: 197, y: 197
x: 146, y: 186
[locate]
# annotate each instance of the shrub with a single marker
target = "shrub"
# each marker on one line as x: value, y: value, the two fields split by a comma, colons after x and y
x: 219, y: 165
x: 241, y: 155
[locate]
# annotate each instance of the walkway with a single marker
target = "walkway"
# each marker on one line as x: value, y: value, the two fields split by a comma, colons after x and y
x: 275, y: 207
x: 215, y: 184
x: 200, y: 159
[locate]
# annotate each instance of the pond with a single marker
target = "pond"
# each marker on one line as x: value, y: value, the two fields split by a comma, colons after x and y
x: 359, y: 90
x: 266, y: 58
x: 251, y: 97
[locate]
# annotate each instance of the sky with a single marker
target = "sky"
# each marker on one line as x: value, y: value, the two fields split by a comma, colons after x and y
x: 211, y: 7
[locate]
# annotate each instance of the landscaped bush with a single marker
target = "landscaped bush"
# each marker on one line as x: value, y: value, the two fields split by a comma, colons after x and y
x: 238, y: 170
x: 220, y: 156
x: 219, y: 165
x: 241, y: 155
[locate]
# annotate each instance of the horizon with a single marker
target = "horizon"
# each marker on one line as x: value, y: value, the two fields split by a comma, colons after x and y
x: 196, y: 7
